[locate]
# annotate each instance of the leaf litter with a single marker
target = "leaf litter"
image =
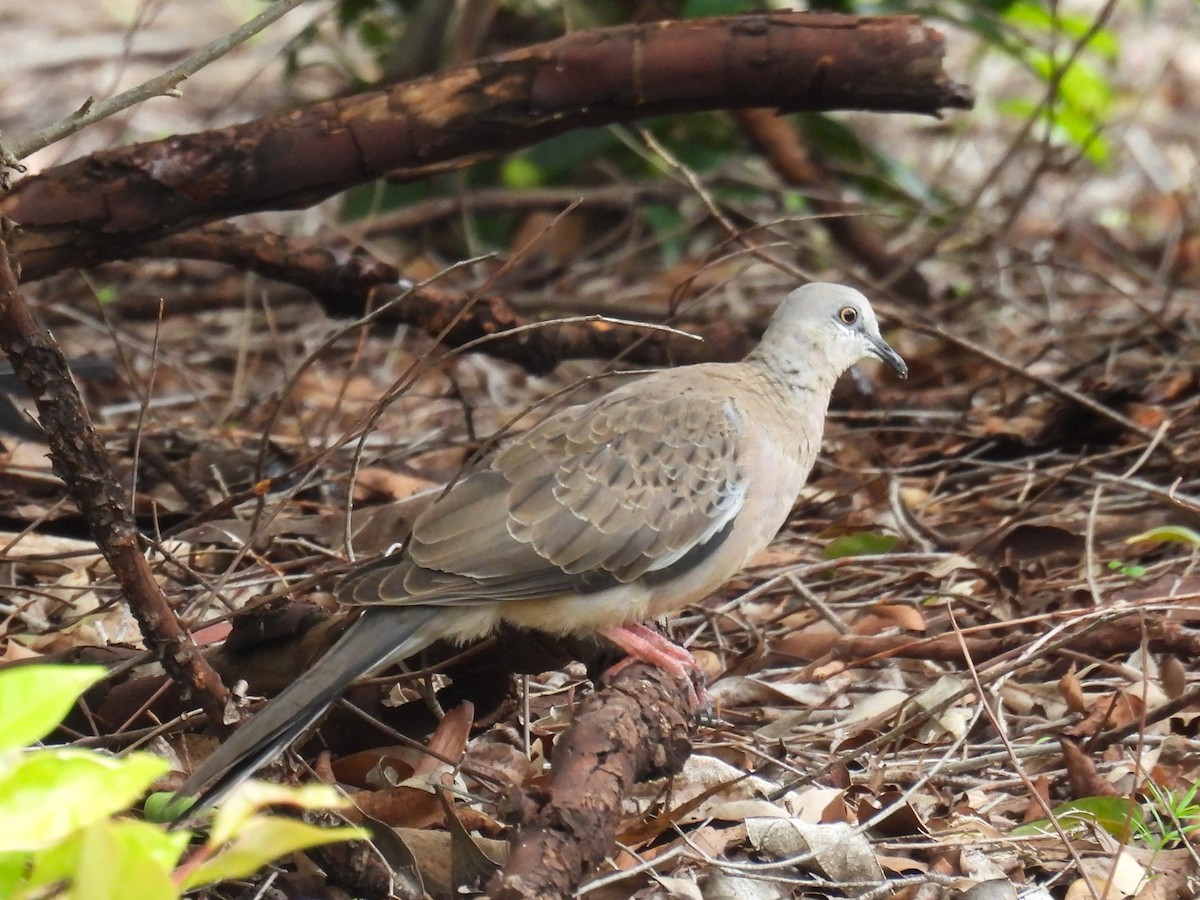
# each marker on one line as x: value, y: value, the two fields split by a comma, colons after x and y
x: 968, y: 662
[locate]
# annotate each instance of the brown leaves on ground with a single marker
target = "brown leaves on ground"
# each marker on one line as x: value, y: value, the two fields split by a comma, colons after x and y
x: 957, y: 701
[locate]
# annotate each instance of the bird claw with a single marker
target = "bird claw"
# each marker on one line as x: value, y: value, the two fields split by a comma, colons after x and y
x: 642, y: 644
x: 699, y: 699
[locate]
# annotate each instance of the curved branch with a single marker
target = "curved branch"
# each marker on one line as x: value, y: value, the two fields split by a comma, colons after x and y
x: 80, y: 460
x: 635, y: 728
x: 96, y: 208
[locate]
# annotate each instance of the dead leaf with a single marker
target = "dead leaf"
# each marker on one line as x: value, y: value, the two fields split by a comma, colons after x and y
x: 807, y: 645
x: 839, y: 852
x: 886, y: 616
x: 1174, y: 676
x: 1072, y: 691
x: 1122, y: 879
x: 374, y: 484
x: 1081, y: 773
x: 1105, y: 713
x: 739, y: 691
x: 1028, y: 541
x: 433, y: 853
x: 721, y: 885
x: 1149, y: 416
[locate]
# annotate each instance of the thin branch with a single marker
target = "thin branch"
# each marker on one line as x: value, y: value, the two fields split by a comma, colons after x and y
x: 80, y: 460
x: 163, y: 85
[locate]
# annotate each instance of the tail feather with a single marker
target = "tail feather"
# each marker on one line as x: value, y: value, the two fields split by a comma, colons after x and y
x: 380, y: 635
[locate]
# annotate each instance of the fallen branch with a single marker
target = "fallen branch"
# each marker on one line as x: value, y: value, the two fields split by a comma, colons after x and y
x: 349, y: 282
x: 96, y: 208
x: 635, y: 728
x: 1108, y: 639
x: 80, y: 460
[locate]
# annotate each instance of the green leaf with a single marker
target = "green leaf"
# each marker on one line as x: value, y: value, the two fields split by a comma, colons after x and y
x: 1177, y: 534
x: 1119, y: 816
x: 1082, y: 87
x: 696, y: 9
x: 874, y: 171
x: 260, y: 840
x: 1017, y: 107
x: 793, y: 201
x: 1037, y: 16
x: 521, y: 173
x: 560, y: 159
x: 34, y: 699
x: 864, y: 543
x: 373, y: 34
x: 55, y: 864
x: 161, y: 846
x: 13, y: 867
x: 1081, y: 130
x: 120, y: 859
x: 1066, y: 127
x: 166, y: 806
x: 253, y: 796
x: 48, y: 794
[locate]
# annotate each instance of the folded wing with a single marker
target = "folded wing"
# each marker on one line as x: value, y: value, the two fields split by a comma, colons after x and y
x: 598, y: 494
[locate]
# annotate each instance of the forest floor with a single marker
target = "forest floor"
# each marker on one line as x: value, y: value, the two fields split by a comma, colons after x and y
x: 984, y: 610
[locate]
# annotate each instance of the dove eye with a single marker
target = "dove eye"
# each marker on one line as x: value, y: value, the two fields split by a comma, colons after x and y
x: 848, y: 315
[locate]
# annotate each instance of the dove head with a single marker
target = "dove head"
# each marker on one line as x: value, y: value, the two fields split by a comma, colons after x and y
x: 829, y: 326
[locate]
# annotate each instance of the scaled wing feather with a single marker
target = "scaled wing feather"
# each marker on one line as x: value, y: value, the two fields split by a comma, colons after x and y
x: 596, y: 495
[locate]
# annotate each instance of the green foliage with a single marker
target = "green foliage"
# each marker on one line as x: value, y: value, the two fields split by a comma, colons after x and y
x: 1083, y: 94
x: 1039, y: 17
x: 862, y: 543
x: 1040, y: 37
x: 111, y: 858
x: 1167, y: 820
x: 1172, y: 817
x: 869, y: 168
x: 1119, y: 816
x: 1163, y: 534
x: 243, y: 839
x: 1177, y: 534
x: 64, y: 826
x: 667, y: 223
x: 697, y: 9
x: 106, y: 294
x: 46, y: 795
x: 1129, y: 570
x: 34, y: 699
x: 835, y: 6
x: 520, y: 173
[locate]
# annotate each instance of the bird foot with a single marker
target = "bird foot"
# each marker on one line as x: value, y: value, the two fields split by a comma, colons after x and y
x: 642, y: 644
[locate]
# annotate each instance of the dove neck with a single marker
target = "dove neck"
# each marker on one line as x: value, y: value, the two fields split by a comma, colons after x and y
x: 793, y: 373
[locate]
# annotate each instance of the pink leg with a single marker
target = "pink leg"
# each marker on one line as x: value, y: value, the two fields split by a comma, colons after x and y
x: 664, y: 644
x: 642, y: 644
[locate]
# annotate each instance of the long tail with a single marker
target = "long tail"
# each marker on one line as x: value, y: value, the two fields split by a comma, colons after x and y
x: 380, y: 634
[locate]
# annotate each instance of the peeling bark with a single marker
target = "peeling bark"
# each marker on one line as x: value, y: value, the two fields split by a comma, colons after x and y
x: 96, y: 208
x: 634, y: 729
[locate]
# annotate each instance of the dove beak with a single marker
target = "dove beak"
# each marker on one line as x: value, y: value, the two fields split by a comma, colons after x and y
x: 882, y: 351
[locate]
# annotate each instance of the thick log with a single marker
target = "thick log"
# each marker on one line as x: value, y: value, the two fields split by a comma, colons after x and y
x: 636, y: 728
x: 94, y: 209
